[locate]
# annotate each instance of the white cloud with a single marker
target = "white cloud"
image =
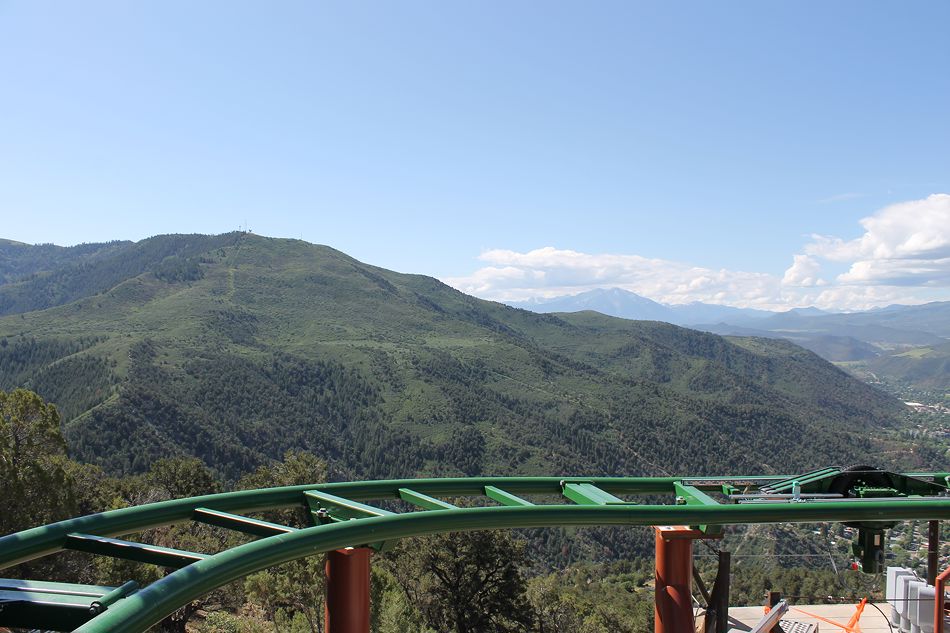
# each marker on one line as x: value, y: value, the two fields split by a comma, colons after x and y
x: 903, y: 252
x: 803, y: 272
x: 550, y: 272
x: 905, y: 244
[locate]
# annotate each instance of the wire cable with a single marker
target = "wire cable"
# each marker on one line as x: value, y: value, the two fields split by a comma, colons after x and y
x: 886, y: 619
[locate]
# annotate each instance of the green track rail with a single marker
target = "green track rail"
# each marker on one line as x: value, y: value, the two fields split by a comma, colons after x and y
x: 344, y: 517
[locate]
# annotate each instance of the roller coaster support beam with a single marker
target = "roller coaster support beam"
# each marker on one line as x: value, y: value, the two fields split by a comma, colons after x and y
x: 933, y: 551
x: 347, y: 604
x: 674, y: 572
x: 673, y: 611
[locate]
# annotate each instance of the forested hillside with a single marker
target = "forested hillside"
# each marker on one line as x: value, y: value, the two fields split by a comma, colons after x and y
x: 39, y: 277
x: 927, y: 367
x: 462, y: 582
x: 236, y: 348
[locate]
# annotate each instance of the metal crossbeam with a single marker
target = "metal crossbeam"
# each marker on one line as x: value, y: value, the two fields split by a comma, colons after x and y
x: 56, y: 606
x: 589, y: 494
x: 327, y: 508
x: 815, y: 475
x: 47, y: 611
x: 505, y: 498
x: 238, y: 523
x: 693, y: 496
x: 64, y: 588
x: 128, y: 550
x: 424, y: 501
x: 341, y: 509
x: 41, y: 599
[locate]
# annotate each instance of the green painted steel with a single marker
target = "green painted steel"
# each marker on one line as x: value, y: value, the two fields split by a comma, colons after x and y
x: 153, y: 603
x: 65, y: 588
x: 504, y: 497
x: 424, y: 501
x: 589, y: 494
x: 803, y: 479
x: 364, y: 524
x: 62, y: 606
x: 341, y: 509
x: 238, y: 523
x: 691, y: 496
x: 126, y: 589
x: 21, y: 609
x: 127, y: 550
x: 47, y: 539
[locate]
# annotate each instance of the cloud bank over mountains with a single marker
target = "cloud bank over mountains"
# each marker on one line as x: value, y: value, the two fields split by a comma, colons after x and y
x: 903, y: 256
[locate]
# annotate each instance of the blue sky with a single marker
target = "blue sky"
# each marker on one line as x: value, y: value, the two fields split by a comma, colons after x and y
x: 682, y: 150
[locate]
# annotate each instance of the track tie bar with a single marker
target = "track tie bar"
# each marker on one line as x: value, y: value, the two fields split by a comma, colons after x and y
x: 588, y: 494
x: 340, y: 509
x: 238, y: 523
x: 505, y: 498
x: 128, y: 550
x: 424, y: 501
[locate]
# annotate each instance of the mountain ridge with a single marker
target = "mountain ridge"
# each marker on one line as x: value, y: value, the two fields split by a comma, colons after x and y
x: 625, y: 304
x: 200, y: 352
x: 894, y: 341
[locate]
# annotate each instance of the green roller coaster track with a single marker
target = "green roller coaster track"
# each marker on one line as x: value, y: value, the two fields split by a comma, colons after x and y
x: 342, y: 518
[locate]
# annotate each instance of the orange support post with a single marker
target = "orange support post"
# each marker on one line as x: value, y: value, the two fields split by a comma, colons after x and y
x: 939, y: 600
x: 674, y: 572
x: 347, y: 605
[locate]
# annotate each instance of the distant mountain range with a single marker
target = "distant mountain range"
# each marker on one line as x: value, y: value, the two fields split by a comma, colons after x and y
x: 884, y: 338
x: 629, y: 305
x: 236, y: 348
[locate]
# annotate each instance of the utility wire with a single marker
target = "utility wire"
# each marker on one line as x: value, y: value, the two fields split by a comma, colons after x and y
x: 766, y: 555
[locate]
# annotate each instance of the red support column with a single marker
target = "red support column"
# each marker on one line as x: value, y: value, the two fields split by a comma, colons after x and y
x: 347, y: 605
x: 940, y: 600
x: 674, y: 572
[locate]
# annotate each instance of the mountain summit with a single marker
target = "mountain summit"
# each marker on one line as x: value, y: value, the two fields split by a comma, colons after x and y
x: 611, y: 301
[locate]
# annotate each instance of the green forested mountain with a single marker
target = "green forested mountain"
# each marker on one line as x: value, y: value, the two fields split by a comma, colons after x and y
x: 236, y: 348
x: 39, y: 277
x: 19, y: 261
x: 927, y: 367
